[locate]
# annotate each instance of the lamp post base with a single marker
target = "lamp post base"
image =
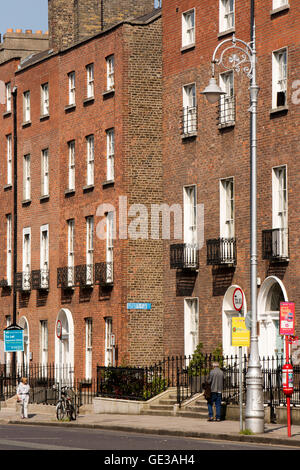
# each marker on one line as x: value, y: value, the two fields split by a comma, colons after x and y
x: 254, y: 413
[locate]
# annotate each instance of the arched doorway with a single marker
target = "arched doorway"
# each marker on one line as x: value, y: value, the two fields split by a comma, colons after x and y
x: 64, y: 347
x: 228, y: 311
x: 272, y: 292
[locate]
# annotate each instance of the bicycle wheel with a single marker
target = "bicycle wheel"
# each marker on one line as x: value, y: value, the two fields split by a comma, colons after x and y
x: 72, y: 412
x: 60, y: 411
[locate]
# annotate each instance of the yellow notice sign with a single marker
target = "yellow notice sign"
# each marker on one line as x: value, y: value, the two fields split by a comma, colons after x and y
x: 240, y: 335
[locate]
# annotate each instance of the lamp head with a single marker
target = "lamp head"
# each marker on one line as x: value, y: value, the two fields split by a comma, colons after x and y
x: 213, y: 91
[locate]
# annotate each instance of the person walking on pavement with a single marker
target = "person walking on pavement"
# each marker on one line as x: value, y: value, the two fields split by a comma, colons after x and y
x: 23, y: 396
x: 215, y: 379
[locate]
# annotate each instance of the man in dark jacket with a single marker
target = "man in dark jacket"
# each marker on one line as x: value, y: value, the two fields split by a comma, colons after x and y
x: 216, y: 380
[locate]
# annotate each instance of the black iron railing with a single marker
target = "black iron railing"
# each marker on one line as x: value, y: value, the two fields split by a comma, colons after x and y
x: 104, y: 273
x: 84, y: 275
x: 23, y: 281
x: 275, y: 246
x: 66, y: 277
x: 184, y: 256
x: 221, y: 251
x: 40, y: 279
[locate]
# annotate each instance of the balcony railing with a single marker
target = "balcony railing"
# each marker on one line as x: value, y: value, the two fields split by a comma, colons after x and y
x: 275, y: 246
x: 221, y: 251
x: 184, y: 256
x: 104, y: 273
x: 23, y: 281
x: 40, y: 279
x: 84, y: 275
x: 226, y: 111
x: 66, y: 277
x: 189, y: 124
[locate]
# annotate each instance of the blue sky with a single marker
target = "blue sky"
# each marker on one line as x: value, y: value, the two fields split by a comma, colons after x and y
x: 24, y: 14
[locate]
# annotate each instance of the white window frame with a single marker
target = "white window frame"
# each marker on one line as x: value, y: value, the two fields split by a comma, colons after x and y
x: 191, y: 325
x: 26, y: 106
x: 90, y: 152
x: 227, y: 111
x: 26, y: 258
x: 71, y: 165
x: 188, y: 28
x: 226, y: 15
x: 45, y: 99
x: 227, y: 208
x: 44, y: 342
x: 110, y: 72
x: 190, y: 214
x: 108, y: 353
x: 189, y: 103
x: 280, y: 207
x: 88, y: 347
x: 89, y: 249
x: 9, y: 159
x: 279, y: 76
x: 45, y: 172
x: 26, y: 177
x: 8, y: 96
x: 90, y: 80
x: 44, y: 255
x: 109, y: 245
x: 71, y: 254
x: 72, y: 88
x: 110, y: 154
x: 9, y: 249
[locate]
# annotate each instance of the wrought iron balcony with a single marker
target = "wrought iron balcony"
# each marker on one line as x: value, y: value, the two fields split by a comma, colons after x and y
x: 221, y: 251
x: 84, y: 275
x: 40, y: 279
x: 104, y: 273
x: 226, y: 111
x: 23, y: 281
x: 4, y: 283
x: 189, y: 124
x: 275, y: 245
x: 66, y: 277
x: 184, y: 256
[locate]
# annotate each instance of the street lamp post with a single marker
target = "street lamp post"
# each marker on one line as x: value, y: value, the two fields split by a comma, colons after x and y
x: 239, y: 56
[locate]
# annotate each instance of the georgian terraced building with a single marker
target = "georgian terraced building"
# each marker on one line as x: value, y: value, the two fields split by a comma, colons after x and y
x: 82, y: 117
x: 206, y: 162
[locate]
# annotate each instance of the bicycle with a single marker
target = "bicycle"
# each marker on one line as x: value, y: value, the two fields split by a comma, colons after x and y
x: 65, y: 406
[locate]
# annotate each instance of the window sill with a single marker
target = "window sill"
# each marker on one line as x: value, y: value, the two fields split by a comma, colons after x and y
x: 107, y: 183
x: 45, y: 197
x: 7, y: 114
x: 70, y: 107
x: 226, y: 125
x: 281, y: 9
x: 190, y: 135
x: 221, y: 34
x: 279, y: 110
x: 26, y: 124
x: 108, y: 93
x: 88, y: 188
x: 188, y: 47
x: 44, y: 117
x: 26, y: 202
x: 7, y: 187
x: 69, y: 192
x: 89, y: 100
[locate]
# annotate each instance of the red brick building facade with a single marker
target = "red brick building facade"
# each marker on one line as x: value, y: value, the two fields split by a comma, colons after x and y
x: 88, y: 143
x: 206, y: 160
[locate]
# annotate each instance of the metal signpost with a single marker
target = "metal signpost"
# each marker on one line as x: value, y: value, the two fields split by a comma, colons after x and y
x: 59, y: 335
x: 287, y: 328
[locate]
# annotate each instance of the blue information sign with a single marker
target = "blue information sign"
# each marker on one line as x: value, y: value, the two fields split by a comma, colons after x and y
x: 138, y: 306
x: 13, y: 340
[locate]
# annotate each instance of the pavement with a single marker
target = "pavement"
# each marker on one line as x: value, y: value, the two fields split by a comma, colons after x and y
x: 274, y: 434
